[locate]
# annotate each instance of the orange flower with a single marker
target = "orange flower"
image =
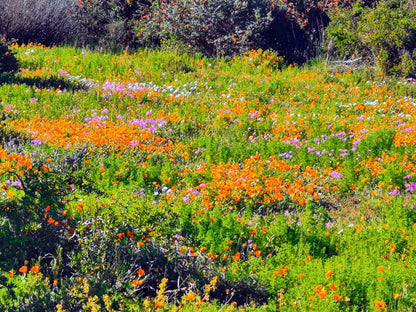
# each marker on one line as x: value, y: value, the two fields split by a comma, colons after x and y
x: 257, y: 253
x: 380, y: 305
x: 333, y: 287
x: 237, y: 256
x: 380, y: 269
x: 337, y: 297
x: 10, y: 274
x: 35, y: 269
x: 137, y: 282
x: 140, y: 272
x: 190, y: 296
x: 10, y: 194
x: 23, y: 269
x: 323, y: 293
x: 328, y: 274
x: 283, y: 271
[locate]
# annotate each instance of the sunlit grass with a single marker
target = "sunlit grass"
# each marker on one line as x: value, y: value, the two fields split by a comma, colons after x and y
x: 282, y: 188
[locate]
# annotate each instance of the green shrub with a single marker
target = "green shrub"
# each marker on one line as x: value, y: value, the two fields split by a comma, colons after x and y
x: 384, y: 36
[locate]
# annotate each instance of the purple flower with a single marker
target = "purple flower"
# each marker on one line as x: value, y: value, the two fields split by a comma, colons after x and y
x: 108, y: 86
x: 37, y: 142
x: 335, y: 174
x: 410, y: 187
x: 395, y: 192
x: 17, y: 183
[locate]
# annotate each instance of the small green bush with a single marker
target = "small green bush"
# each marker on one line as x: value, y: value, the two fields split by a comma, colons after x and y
x: 384, y: 36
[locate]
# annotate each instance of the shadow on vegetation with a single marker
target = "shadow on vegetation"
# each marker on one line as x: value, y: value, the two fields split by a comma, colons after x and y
x: 51, y: 83
x: 288, y: 39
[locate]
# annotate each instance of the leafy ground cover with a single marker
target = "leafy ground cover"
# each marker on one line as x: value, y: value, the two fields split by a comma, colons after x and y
x: 163, y: 181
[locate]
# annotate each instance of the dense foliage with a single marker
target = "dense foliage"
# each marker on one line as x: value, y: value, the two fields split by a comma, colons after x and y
x: 45, y: 21
x: 384, y: 35
x: 166, y: 181
x: 169, y: 178
x: 109, y: 24
x: 380, y: 33
x: 212, y: 27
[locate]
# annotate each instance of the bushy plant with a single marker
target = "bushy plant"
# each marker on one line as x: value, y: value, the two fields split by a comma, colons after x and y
x: 211, y: 27
x: 384, y: 35
x: 109, y: 23
x: 44, y: 21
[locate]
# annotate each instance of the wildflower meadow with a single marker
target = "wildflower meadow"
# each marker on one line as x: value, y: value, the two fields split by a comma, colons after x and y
x: 166, y: 181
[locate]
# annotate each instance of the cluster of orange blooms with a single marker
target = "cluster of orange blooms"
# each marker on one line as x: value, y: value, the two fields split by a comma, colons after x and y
x: 24, y: 269
x: 67, y: 134
x: 268, y: 180
x: 13, y: 162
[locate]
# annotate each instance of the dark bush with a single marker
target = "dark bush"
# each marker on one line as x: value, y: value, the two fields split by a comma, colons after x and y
x: 45, y: 21
x: 286, y: 37
x: 109, y: 23
x: 213, y: 28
